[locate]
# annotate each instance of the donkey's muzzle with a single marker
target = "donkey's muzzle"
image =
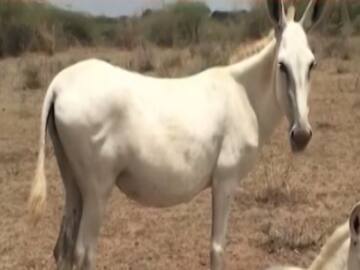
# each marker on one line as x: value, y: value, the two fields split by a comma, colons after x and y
x: 300, y: 138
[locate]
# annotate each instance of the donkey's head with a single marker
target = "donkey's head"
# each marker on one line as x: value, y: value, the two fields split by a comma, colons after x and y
x: 354, y: 252
x: 295, y: 62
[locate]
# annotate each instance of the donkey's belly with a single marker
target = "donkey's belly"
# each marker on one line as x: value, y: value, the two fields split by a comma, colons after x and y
x: 162, y: 189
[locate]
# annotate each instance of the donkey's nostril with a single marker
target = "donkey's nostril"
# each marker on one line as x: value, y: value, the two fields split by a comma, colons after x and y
x: 292, y: 134
x: 300, y: 138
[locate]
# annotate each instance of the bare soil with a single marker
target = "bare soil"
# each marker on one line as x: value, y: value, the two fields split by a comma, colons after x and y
x: 283, y: 211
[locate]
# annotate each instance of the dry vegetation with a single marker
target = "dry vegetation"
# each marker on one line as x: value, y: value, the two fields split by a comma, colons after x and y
x: 283, y: 211
x: 32, y: 26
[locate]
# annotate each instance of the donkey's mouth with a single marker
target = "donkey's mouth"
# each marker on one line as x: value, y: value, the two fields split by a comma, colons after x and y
x: 299, y: 139
x: 298, y: 148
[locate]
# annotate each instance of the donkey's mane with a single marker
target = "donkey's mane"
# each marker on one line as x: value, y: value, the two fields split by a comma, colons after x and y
x: 331, y: 247
x: 250, y: 48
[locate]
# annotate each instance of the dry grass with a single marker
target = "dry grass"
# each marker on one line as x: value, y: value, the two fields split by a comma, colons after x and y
x: 32, y: 77
x: 142, y: 60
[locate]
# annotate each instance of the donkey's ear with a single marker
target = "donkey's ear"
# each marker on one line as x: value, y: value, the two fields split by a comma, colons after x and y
x: 313, y: 13
x: 355, y: 223
x: 277, y: 13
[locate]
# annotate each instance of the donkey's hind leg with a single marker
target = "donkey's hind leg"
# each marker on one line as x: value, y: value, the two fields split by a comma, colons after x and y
x: 64, y: 250
x: 95, y: 188
x: 65, y: 246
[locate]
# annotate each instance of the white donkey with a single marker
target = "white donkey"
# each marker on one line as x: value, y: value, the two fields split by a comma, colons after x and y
x: 163, y: 141
x: 341, y: 251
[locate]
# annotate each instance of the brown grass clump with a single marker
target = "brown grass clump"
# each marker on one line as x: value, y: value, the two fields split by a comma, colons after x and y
x: 289, y: 233
x: 32, y: 75
x: 143, y: 59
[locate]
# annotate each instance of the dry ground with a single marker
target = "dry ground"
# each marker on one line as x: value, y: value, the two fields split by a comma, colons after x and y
x: 282, y: 213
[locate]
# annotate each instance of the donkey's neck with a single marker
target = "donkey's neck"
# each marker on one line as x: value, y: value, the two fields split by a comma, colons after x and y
x: 334, y: 254
x: 256, y: 75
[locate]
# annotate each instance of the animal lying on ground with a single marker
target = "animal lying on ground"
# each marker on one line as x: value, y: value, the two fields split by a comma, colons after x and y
x: 341, y: 251
x: 163, y: 141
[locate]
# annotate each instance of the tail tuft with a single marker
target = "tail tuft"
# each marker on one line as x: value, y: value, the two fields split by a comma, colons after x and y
x: 36, y: 204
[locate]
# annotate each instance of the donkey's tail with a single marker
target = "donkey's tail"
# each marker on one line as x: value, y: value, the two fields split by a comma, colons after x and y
x: 37, y: 198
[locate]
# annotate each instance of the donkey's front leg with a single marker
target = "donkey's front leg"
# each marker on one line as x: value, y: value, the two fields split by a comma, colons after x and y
x: 221, y: 201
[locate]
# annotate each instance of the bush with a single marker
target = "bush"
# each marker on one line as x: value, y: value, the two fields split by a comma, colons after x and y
x: 159, y: 28
x: 15, y: 35
x: 16, y: 38
x: 179, y: 24
x: 36, y: 27
x: 256, y: 23
x: 124, y: 35
x: 357, y: 24
x: 189, y: 17
x: 78, y: 28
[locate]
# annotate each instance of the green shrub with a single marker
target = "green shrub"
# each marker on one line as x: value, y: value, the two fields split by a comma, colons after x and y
x: 16, y: 38
x: 159, y: 28
x: 15, y: 35
x: 189, y: 17
x: 213, y: 31
x: 357, y: 24
x: 36, y: 27
x: 178, y: 24
x: 256, y: 23
x: 78, y: 29
x: 121, y: 36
